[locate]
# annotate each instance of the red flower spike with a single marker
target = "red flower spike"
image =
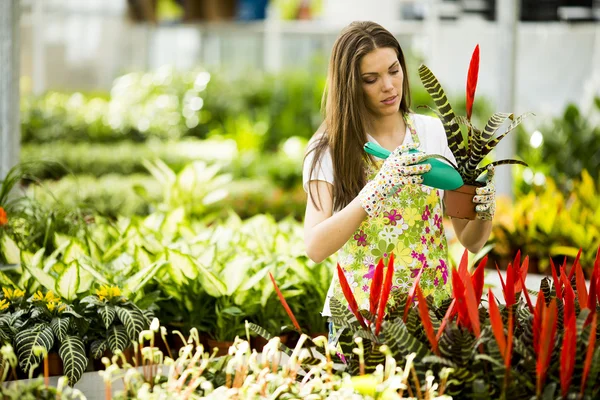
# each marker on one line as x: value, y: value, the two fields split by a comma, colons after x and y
x: 459, y: 295
x: 376, y: 287
x: 557, y: 283
x: 496, y: 322
x: 426, y: 321
x: 548, y: 333
x: 567, y: 355
x: 522, y: 275
x: 472, y: 307
x: 509, y: 292
x: 525, y: 292
x: 347, y: 290
x: 568, y: 297
x: 411, y: 294
x: 589, y: 354
x: 575, y: 264
x: 385, y: 294
x: 449, y: 313
x: 285, y: 304
x: 478, y: 279
x: 472, y: 80
x: 582, y: 293
x: 463, y: 267
x: 537, y: 321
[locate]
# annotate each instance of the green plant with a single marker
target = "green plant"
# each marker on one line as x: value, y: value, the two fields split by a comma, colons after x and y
x: 545, y: 222
x: 115, y: 321
x: 49, y: 322
x: 563, y: 147
x: 478, y: 143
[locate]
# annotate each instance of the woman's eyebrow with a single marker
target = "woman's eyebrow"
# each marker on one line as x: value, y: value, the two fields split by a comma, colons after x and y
x: 375, y: 73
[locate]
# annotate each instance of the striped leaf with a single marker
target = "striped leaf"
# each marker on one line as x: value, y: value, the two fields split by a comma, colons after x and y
x: 495, y: 122
x: 259, y: 330
x: 25, y: 340
x: 117, y: 338
x: 400, y: 341
x: 60, y: 327
x: 481, y: 170
x: 458, y: 378
x: 97, y: 348
x: 455, y: 139
x: 72, y: 353
x: 457, y: 345
x: 107, y: 313
x: 134, y: 321
x: 343, y: 314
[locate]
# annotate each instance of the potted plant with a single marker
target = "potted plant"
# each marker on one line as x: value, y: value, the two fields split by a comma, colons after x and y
x: 115, y: 322
x: 50, y: 323
x: 479, y: 143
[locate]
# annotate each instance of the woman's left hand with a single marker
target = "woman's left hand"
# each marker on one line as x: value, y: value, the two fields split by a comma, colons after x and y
x: 485, y: 197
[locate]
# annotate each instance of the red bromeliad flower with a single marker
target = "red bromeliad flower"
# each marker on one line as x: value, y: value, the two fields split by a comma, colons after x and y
x: 385, y: 294
x: 347, y: 290
x: 3, y: 217
x: 285, y: 304
x: 427, y: 325
x: 376, y: 287
x: 567, y: 355
x: 547, y: 336
x: 472, y: 80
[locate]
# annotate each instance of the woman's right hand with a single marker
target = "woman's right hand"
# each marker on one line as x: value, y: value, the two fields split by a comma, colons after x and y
x: 397, y: 170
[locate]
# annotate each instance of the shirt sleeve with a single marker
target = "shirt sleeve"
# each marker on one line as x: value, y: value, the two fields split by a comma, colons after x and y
x: 323, y: 169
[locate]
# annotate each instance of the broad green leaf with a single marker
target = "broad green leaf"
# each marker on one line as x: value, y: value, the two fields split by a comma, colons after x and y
x: 142, y: 277
x: 133, y: 320
x: 26, y: 339
x: 41, y: 276
x: 74, y: 358
x: 107, y: 313
x: 67, y: 283
x: 97, y: 348
x: 10, y: 250
x: 117, y: 338
x: 74, y: 251
x: 183, y: 263
x: 60, y: 327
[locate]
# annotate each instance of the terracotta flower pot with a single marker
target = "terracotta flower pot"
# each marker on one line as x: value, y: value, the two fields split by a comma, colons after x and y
x: 459, y: 203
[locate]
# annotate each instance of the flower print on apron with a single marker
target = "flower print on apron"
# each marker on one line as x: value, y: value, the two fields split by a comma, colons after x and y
x: 410, y: 226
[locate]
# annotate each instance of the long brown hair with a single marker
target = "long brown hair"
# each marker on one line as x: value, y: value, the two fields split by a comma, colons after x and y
x: 345, y: 109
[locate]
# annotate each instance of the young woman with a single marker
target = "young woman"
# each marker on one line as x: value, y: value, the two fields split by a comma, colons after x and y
x: 365, y: 208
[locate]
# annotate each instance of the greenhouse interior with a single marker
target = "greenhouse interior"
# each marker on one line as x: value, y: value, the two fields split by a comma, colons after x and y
x: 300, y: 199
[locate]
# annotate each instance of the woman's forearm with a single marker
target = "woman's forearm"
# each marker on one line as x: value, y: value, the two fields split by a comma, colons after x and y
x: 473, y: 234
x: 330, y: 235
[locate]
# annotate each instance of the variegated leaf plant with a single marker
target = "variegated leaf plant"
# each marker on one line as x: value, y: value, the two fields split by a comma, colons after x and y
x: 479, y: 142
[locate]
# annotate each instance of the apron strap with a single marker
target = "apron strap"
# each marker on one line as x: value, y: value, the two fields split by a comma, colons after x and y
x: 410, y: 125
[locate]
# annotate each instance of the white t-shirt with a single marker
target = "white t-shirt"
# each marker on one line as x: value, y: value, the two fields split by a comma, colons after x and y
x: 432, y: 138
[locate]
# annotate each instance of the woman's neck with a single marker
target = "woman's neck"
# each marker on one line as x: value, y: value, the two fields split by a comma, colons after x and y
x: 390, y: 129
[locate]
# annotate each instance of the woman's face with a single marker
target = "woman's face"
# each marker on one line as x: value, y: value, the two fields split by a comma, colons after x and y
x: 382, y: 80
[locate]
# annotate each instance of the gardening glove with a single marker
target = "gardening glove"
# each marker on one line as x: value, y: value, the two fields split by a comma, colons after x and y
x: 397, y: 170
x: 485, y: 197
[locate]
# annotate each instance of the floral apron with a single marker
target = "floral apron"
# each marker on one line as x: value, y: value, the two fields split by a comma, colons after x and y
x: 410, y: 226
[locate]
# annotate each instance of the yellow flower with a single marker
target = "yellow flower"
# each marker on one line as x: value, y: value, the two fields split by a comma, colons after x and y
x: 51, y: 305
x: 12, y: 294
x: 108, y: 292
x: 38, y: 296
x: 51, y: 297
x: 4, y: 304
x: 62, y: 307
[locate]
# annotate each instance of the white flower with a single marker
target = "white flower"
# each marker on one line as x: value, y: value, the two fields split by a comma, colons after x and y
x: 368, y: 261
